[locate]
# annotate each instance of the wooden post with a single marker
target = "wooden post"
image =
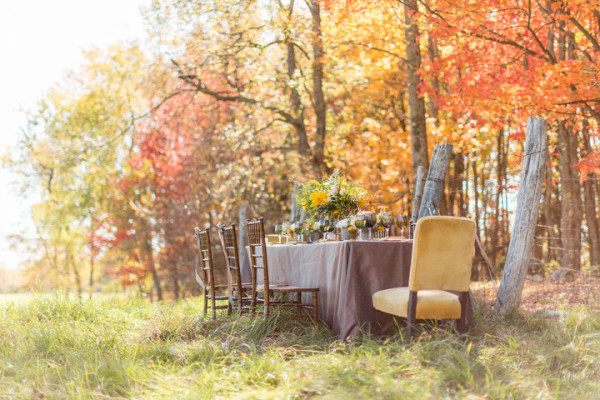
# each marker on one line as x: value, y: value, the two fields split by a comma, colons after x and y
x: 435, y: 180
x: 242, y: 234
x: 294, y: 211
x: 418, y: 195
x: 528, y: 205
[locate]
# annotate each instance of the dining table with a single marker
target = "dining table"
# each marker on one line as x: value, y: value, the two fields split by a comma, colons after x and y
x: 347, y: 274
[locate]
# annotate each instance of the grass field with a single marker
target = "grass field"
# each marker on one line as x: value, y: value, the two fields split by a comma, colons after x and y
x: 56, y: 347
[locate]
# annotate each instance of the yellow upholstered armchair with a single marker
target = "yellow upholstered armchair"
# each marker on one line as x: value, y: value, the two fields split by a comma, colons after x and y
x: 442, y: 255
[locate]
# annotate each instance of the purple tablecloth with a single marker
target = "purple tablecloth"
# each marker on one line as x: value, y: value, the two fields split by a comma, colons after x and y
x: 347, y: 274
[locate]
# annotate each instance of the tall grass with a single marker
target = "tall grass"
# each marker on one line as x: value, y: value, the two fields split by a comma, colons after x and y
x: 56, y: 347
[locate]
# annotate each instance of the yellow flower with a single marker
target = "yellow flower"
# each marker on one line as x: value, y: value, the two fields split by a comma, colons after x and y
x: 318, y: 198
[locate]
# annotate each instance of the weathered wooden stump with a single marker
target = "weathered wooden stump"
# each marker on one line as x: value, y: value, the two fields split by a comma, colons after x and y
x: 528, y: 205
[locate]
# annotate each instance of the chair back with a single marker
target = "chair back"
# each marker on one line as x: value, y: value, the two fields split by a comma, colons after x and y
x: 229, y: 242
x: 442, y: 255
x: 258, y: 248
x: 206, y: 260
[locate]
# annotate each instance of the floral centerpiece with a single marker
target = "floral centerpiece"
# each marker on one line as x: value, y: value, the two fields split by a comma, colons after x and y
x: 334, y: 197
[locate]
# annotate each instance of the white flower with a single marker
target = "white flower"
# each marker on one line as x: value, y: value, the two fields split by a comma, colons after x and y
x: 343, y: 223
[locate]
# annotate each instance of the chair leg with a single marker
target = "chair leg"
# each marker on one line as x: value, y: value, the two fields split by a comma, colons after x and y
x: 254, y: 295
x: 213, y: 304
x: 266, y: 303
x: 461, y: 323
x: 315, y: 299
x: 205, y: 301
x: 411, y: 314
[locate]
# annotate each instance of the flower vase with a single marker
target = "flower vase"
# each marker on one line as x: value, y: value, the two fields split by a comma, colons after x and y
x: 349, y: 235
x: 363, y: 234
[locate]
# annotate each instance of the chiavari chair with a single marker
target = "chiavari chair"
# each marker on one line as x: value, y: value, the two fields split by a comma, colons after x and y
x: 259, y: 262
x: 240, y: 293
x: 208, y: 275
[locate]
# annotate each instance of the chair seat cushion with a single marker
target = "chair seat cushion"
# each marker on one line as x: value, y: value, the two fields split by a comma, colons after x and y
x: 431, y: 304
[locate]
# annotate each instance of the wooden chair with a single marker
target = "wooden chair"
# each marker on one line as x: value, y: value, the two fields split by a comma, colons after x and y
x: 442, y: 254
x: 240, y: 293
x: 259, y: 261
x: 208, y: 275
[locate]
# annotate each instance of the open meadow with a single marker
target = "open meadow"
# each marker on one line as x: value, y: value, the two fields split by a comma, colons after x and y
x: 56, y: 347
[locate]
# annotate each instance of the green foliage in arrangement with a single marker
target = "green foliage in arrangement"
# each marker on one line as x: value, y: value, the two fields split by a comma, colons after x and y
x: 334, y: 196
x: 57, y: 347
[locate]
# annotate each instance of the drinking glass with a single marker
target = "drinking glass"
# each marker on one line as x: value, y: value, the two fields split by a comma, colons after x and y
x: 324, y: 225
x: 370, y: 220
x: 298, y: 232
x: 278, y: 231
x: 401, y: 222
x: 387, y: 220
x: 359, y: 222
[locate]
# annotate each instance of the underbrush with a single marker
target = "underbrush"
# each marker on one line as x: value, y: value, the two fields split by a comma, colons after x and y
x: 55, y: 347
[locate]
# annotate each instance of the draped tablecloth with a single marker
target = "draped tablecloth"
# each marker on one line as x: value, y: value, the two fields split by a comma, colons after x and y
x: 347, y: 274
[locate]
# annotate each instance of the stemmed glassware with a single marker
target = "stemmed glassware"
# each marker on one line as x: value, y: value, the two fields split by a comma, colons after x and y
x: 402, y: 222
x: 359, y: 222
x: 298, y: 231
x: 278, y: 231
x: 325, y: 226
x: 387, y: 220
x: 370, y: 221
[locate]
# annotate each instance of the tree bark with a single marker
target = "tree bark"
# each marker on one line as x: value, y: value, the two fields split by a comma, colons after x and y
x: 435, y: 180
x: 571, y: 208
x: 549, y: 221
x: 528, y: 204
x: 318, y: 97
x: 418, y: 131
x: 475, y: 196
x: 433, y: 53
x: 149, y: 257
x: 418, y: 195
x: 242, y: 234
x: 295, y: 100
x: 590, y: 208
x: 294, y: 214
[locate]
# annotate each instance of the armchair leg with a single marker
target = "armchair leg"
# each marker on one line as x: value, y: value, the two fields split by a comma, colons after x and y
x: 461, y: 325
x: 411, y: 314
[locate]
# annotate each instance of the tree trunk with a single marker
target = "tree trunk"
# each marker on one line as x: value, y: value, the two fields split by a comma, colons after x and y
x: 175, y: 279
x: 418, y: 131
x: 433, y: 53
x: 242, y: 234
x: 294, y: 214
x: 590, y: 207
x: 435, y: 180
x: 528, y: 204
x: 76, y: 276
x: 475, y: 196
x: 318, y: 97
x: 571, y: 210
x: 495, y: 236
x: 418, y: 195
x: 149, y: 257
x: 549, y: 221
x: 295, y: 100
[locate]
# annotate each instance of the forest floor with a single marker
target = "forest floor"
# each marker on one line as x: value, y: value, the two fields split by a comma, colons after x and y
x: 561, y: 295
